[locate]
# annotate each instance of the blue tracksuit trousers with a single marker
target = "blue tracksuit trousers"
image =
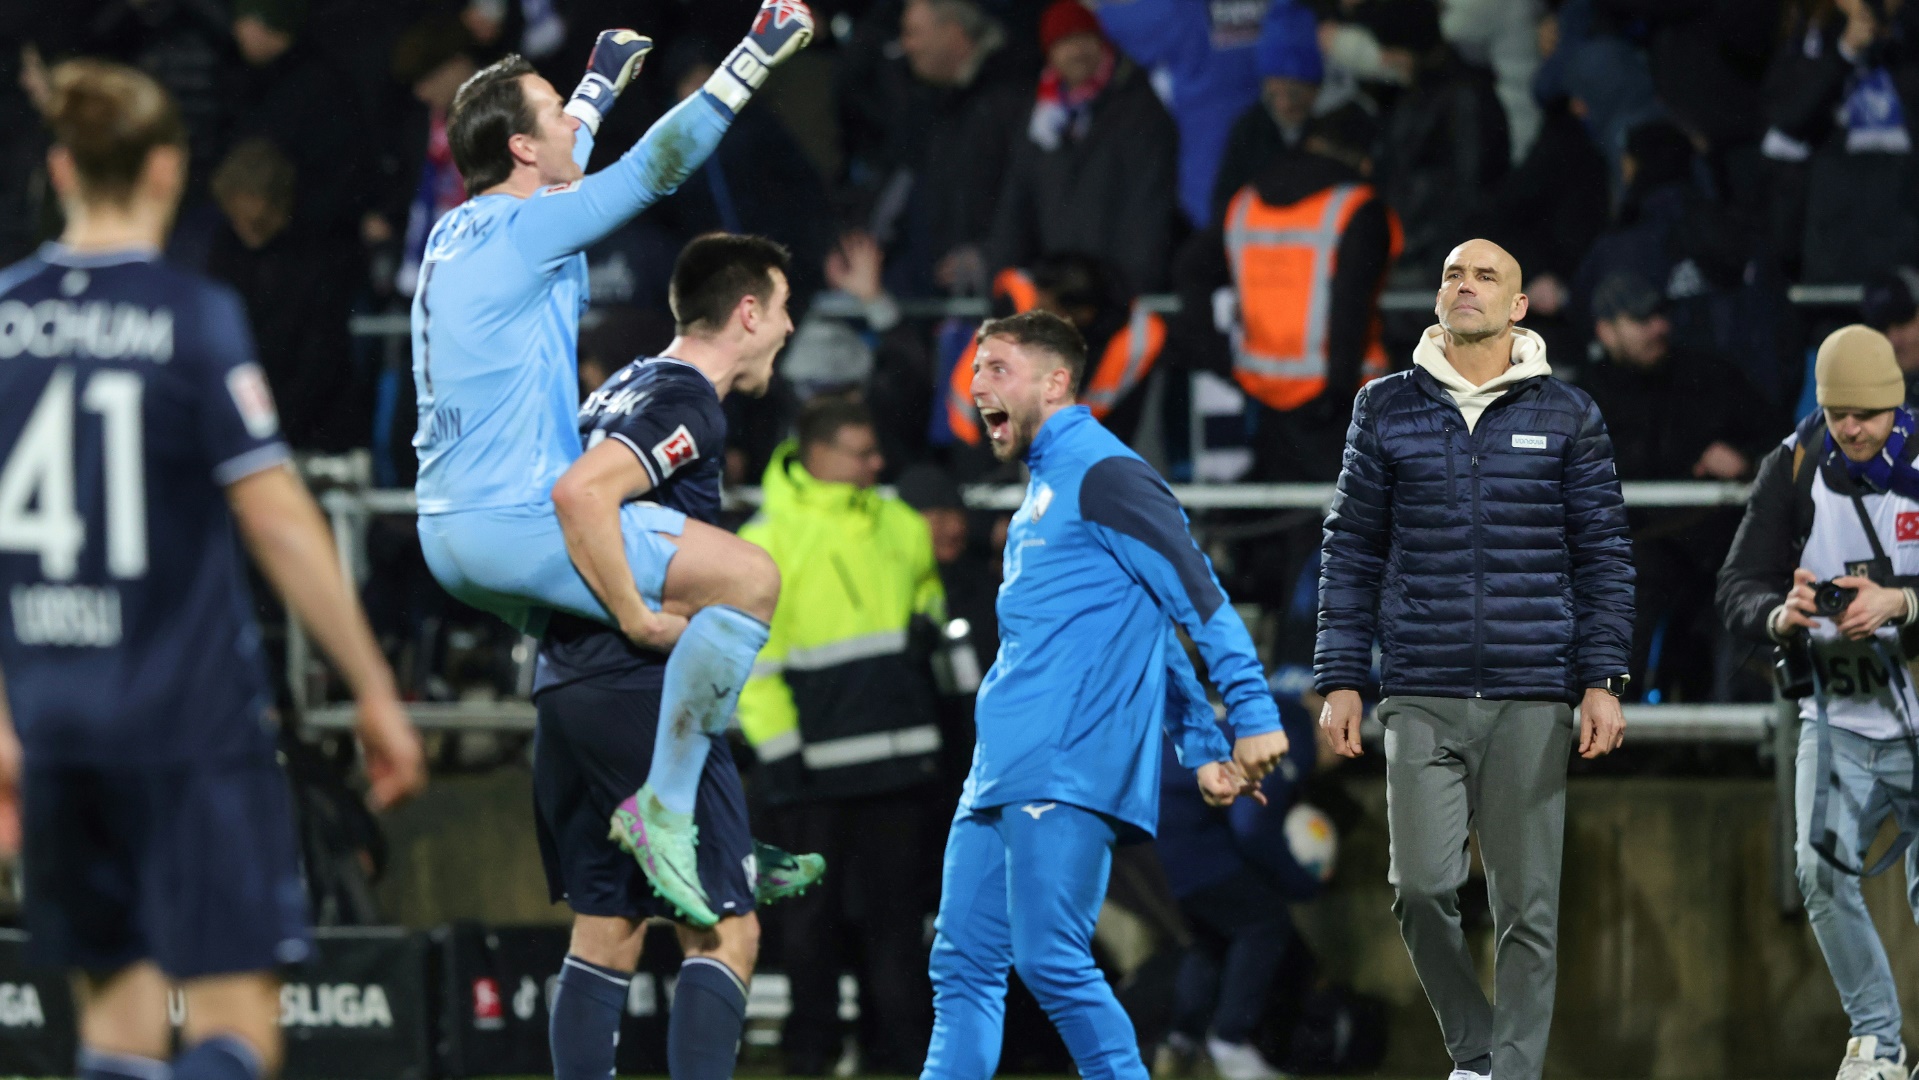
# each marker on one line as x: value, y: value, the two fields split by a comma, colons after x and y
x: 1022, y: 888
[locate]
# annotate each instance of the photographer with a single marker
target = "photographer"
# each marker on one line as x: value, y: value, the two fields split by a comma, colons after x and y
x: 1824, y: 566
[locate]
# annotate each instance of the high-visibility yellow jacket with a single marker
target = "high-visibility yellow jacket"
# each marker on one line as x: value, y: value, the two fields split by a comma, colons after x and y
x: 841, y: 702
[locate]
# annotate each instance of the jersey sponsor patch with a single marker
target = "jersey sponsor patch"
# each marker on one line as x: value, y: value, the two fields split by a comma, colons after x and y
x: 559, y: 189
x: 247, y: 385
x: 1906, y: 526
x: 1042, y: 499
x: 675, y: 450
x: 1529, y: 442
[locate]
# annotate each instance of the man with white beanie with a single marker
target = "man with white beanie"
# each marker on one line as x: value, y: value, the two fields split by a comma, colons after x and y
x: 1824, y: 566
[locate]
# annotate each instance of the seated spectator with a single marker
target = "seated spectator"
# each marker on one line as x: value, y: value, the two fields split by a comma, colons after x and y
x: 1891, y: 306
x: 1206, y: 52
x: 1290, y: 71
x: 1275, y: 293
x: 929, y: 137
x: 1673, y: 414
x: 1842, y: 97
x: 1234, y: 872
x: 1095, y: 172
x: 298, y: 284
x: 1444, y: 148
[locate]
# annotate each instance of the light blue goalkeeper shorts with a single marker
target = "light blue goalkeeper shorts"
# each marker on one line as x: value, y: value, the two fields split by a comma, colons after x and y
x: 512, y: 561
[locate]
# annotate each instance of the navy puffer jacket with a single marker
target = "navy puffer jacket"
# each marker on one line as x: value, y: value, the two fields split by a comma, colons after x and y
x: 1492, y: 563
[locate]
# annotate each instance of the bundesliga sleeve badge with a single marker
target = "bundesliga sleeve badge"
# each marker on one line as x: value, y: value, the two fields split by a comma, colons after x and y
x: 675, y: 450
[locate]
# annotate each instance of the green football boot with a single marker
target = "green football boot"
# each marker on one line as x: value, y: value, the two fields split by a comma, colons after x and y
x: 665, y: 844
x: 783, y: 874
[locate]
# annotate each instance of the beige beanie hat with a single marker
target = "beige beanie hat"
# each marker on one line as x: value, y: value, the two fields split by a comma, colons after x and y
x: 1856, y: 370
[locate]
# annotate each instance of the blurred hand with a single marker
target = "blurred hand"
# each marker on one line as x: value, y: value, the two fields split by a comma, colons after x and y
x: 962, y: 270
x: 1862, y: 27
x: 1874, y: 607
x: 395, y: 763
x: 1221, y: 784
x: 9, y: 787
x: 1799, y: 604
x: 34, y: 80
x: 1547, y: 294
x: 1602, y: 724
x: 854, y: 266
x: 1340, y: 720
x: 374, y: 230
x: 1721, y: 462
x: 1258, y: 755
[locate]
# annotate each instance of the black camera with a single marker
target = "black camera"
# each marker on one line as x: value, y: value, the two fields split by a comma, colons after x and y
x: 1828, y: 599
x: 1792, y: 668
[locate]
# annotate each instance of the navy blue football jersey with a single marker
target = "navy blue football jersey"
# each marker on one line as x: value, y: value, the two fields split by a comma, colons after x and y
x: 129, y: 399
x: 667, y: 412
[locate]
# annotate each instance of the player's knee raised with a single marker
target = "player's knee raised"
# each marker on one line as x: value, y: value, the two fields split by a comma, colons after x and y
x: 756, y: 582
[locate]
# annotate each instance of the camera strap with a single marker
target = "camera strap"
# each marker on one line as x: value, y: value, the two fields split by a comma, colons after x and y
x: 1824, y: 840
x: 1872, y: 533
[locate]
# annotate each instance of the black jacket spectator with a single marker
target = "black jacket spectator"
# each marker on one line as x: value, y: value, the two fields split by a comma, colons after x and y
x: 1845, y: 187
x: 1108, y: 193
x: 1441, y: 155
x: 1555, y: 204
x: 1708, y: 59
x: 930, y: 159
x: 302, y: 101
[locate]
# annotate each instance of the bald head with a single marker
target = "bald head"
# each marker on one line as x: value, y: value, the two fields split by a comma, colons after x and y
x: 1480, y: 291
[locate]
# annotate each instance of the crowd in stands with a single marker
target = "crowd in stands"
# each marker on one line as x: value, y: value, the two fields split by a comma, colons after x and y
x: 1664, y: 171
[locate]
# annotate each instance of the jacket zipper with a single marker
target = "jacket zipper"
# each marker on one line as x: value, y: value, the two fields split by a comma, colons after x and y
x: 1479, y: 587
x: 1452, y: 474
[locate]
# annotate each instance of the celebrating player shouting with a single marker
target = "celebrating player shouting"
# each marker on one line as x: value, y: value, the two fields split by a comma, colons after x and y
x: 1099, y: 566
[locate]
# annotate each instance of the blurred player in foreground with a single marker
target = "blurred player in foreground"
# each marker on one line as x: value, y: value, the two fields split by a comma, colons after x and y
x: 1099, y: 568
x: 495, y: 330
x: 600, y: 695
x: 136, y: 432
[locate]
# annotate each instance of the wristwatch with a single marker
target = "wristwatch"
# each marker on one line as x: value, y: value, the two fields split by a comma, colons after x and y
x: 1616, y: 685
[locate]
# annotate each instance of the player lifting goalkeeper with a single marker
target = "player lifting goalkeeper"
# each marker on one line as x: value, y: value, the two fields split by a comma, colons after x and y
x: 495, y: 330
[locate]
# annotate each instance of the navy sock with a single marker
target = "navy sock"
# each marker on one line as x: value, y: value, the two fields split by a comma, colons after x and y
x: 709, y: 1012
x: 107, y: 1065
x: 584, y: 1028
x: 222, y: 1057
x: 1483, y: 1065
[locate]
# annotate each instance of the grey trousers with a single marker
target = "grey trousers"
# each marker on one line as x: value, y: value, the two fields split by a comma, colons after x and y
x: 1872, y: 781
x: 1497, y: 768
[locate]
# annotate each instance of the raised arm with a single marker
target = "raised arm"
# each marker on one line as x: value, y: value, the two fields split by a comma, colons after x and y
x: 1134, y: 516
x: 559, y: 222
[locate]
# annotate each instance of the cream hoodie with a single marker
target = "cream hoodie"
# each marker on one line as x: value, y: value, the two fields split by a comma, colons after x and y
x: 1529, y: 359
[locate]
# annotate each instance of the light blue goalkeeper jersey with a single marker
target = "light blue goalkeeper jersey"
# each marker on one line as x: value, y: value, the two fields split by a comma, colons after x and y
x: 496, y: 317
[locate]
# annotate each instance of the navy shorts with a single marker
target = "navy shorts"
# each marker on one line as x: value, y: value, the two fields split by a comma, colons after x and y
x: 591, y: 750
x: 194, y: 867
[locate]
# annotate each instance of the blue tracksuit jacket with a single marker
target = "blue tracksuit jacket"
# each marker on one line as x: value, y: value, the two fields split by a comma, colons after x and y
x: 1098, y: 559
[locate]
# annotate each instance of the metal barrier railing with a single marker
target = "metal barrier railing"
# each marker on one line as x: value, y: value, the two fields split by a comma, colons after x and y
x: 395, y: 324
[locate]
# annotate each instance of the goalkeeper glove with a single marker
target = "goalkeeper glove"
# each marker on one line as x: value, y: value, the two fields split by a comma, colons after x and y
x: 783, y: 28
x: 615, y: 60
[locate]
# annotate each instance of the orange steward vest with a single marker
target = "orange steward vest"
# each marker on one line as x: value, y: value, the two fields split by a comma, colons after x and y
x: 1283, y: 259
x: 1128, y: 358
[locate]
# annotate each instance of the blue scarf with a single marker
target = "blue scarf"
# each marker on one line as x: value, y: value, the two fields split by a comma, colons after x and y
x: 1888, y: 470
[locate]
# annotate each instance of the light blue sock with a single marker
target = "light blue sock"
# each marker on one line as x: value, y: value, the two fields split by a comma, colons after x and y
x: 704, y: 674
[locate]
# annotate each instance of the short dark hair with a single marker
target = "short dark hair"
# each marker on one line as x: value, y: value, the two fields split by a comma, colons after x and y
x: 489, y: 109
x: 716, y: 271
x: 110, y: 118
x: 255, y: 167
x: 1045, y: 331
x: 822, y: 419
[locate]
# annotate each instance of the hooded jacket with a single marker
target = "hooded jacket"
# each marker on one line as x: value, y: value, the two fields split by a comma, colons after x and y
x: 839, y: 703
x: 1478, y: 535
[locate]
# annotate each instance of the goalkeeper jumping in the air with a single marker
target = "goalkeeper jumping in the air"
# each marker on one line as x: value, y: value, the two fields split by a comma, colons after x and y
x: 1099, y: 569
x: 495, y: 329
